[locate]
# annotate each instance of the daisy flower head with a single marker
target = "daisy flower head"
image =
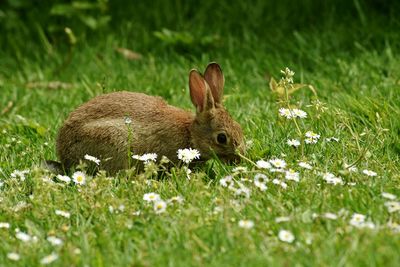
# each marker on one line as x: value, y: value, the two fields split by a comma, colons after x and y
x: 357, y: 219
x: 49, y: 259
x: 19, y: 174
x: 13, y: 256
x: 330, y: 216
x: 285, y: 112
x: 55, y: 241
x: 160, y: 206
x: 246, y: 224
x: 282, y: 219
x: 4, y: 225
x: 242, y: 191
x: 187, y: 155
x: 260, y: 178
x: 332, y: 179
x: 23, y: 236
x: 176, y: 199
x: 62, y: 213
x: 279, y: 182
x: 79, y: 178
x: 64, y: 178
x: 299, y: 113
x: 369, y: 173
x: 262, y: 164
x: 239, y: 169
x: 227, y: 181
x: 305, y: 165
x: 388, y: 196
x: 292, y: 175
x: 293, y: 142
x: 278, y: 163
x: 146, y: 158
x: 310, y: 141
x: 151, y: 197
x: 127, y: 120
x: 92, y: 159
x: 286, y: 236
x: 392, y: 206
x: 311, y: 137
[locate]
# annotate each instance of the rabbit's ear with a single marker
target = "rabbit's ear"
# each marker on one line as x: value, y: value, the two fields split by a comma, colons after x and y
x: 200, y: 92
x: 215, y: 78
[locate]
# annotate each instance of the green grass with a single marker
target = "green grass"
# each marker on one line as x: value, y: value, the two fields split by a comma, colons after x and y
x: 356, y: 75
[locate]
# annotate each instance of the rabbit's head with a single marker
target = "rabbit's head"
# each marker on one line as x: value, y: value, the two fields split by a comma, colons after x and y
x: 213, y: 130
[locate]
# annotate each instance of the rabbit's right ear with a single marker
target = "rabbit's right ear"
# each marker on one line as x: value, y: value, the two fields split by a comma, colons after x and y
x: 215, y: 78
x: 200, y: 92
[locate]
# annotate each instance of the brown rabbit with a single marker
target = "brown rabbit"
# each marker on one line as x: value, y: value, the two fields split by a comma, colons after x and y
x: 98, y: 127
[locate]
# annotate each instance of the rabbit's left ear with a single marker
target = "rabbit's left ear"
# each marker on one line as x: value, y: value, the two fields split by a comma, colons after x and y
x: 200, y: 92
x: 215, y: 79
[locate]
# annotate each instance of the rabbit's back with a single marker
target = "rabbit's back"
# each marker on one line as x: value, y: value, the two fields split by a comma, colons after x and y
x: 99, y: 128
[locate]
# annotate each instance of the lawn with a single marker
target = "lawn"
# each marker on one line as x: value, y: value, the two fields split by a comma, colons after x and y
x: 342, y: 208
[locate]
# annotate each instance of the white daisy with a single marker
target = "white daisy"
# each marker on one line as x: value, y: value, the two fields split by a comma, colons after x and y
x: 19, y: 174
x: 286, y: 236
x: 246, y: 224
x: 4, y: 225
x: 23, y: 236
x: 292, y: 175
x: 187, y: 155
x: 293, y: 142
x: 310, y: 141
x: 49, y: 259
x: 62, y: 213
x: 64, y: 178
x: 279, y: 182
x: 127, y: 120
x: 282, y: 219
x: 392, y: 206
x: 13, y: 256
x: 395, y: 227
x: 287, y: 113
x: 357, y: 219
x: 160, y: 206
x: 176, y: 199
x: 262, y: 164
x: 93, y: 159
x: 239, y: 169
x: 299, y: 113
x: 331, y: 139
x: 242, y: 191
x: 260, y: 178
x: 261, y: 186
x: 312, y: 135
x: 353, y: 169
x: 388, y: 196
x: 79, y: 178
x: 227, y: 181
x: 332, y: 179
x: 55, y: 241
x: 151, y: 197
x: 330, y: 216
x: 305, y: 165
x: 278, y: 163
x: 146, y: 158
x: 369, y: 173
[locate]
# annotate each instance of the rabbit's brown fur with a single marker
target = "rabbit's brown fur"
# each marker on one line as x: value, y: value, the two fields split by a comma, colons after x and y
x: 98, y: 127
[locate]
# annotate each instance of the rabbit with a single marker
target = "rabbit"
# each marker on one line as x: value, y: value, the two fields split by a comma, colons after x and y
x: 99, y: 127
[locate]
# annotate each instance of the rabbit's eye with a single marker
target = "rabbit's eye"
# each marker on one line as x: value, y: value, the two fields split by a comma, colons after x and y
x: 221, y: 138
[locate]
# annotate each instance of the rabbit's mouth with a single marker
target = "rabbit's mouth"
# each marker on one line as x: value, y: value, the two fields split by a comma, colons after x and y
x: 230, y: 158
